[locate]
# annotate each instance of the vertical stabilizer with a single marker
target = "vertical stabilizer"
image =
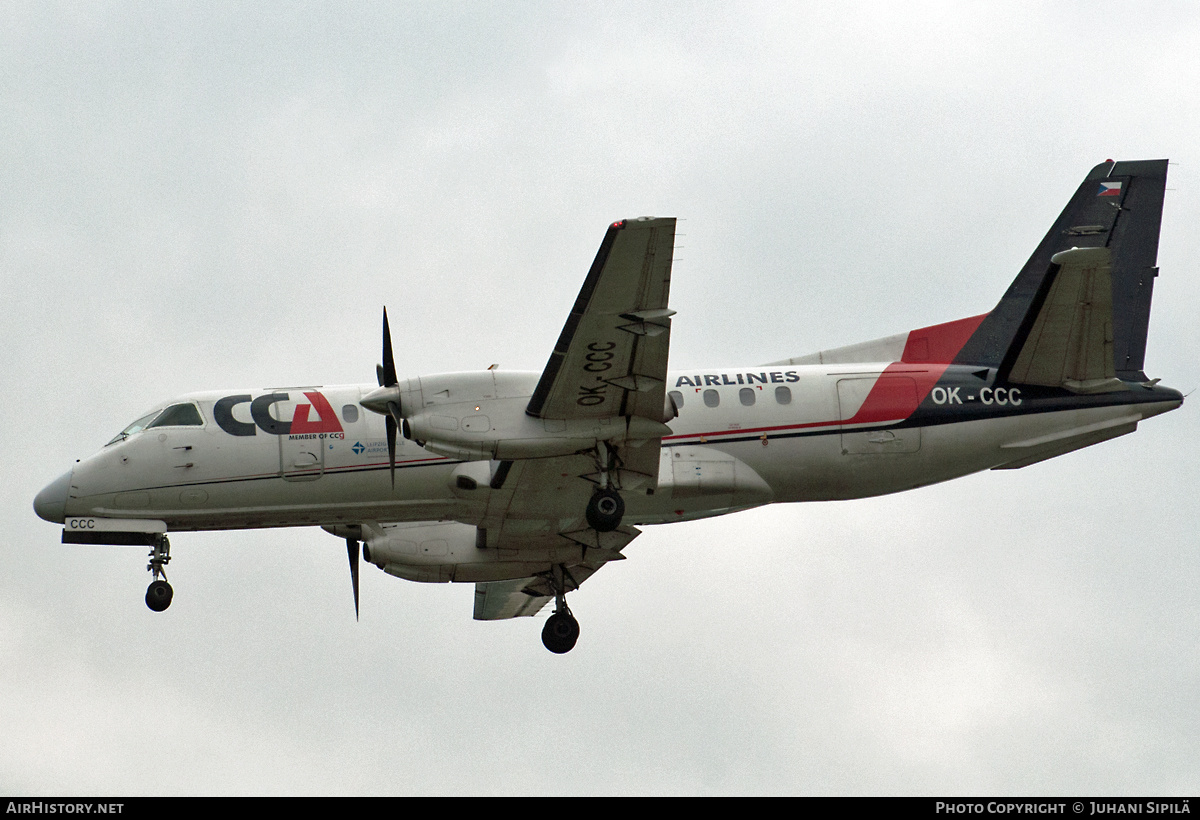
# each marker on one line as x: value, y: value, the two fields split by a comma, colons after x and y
x: 1118, y: 207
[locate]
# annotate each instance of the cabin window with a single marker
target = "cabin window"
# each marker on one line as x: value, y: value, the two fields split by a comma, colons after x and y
x: 677, y: 397
x: 746, y: 396
x: 350, y: 413
x: 711, y: 398
x: 178, y: 415
x: 783, y: 395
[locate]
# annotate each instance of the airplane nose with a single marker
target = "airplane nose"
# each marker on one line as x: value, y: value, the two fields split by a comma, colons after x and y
x: 51, y: 503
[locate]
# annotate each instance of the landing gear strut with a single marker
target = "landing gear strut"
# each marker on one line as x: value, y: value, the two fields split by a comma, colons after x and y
x: 561, y: 629
x: 159, y: 593
x: 606, y: 507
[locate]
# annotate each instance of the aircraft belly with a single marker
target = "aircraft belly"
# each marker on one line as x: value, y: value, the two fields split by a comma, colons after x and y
x: 421, y: 493
x: 947, y: 451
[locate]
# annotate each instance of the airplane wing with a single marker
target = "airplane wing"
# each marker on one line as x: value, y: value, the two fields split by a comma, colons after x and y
x: 610, y: 363
x: 611, y: 357
x: 496, y: 600
x: 539, y: 503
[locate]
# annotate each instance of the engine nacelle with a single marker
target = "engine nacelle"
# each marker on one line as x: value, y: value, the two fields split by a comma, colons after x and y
x: 473, y: 416
x: 507, y: 432
x: 439, y: 552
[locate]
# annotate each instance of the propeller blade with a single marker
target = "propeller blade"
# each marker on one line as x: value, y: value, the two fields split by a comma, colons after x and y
x: 352, y: 554
x: 386, y: 399
x: 391, y: 439
x: 388, y: 377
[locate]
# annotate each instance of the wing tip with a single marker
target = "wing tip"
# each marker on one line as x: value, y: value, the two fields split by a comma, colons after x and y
x: 642, y: 222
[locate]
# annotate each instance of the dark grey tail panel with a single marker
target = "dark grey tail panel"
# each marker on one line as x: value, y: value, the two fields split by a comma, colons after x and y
x: 1134, y: 245
x: 1119, y: 206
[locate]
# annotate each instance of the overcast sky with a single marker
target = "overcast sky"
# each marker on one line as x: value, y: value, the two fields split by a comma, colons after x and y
x: 222, y: 195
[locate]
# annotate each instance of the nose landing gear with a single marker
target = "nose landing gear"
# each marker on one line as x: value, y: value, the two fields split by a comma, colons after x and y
x: 159, y: 593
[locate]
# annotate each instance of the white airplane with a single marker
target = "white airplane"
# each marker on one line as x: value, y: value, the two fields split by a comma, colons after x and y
x: 525, y: 484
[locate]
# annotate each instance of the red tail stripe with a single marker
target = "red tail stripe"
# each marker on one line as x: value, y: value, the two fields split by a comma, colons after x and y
x: 893, y: 398
x: 939, y: 344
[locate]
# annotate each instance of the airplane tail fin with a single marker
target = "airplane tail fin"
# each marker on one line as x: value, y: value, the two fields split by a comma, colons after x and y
x: 1077, y: 314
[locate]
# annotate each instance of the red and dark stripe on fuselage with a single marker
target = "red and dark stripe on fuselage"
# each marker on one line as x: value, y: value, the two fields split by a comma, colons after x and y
x: 929, y: 386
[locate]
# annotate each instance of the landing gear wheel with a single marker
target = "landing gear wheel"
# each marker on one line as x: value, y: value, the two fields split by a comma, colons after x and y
x: 159, y: 595
x: 560, y: 632
x: 605, y: 510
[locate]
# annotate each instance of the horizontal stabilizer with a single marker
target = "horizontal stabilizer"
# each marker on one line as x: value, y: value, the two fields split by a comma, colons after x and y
x: 1031, y: 451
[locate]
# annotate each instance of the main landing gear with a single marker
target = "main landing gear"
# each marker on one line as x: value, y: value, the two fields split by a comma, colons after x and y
x: 561, y: 630
x: 159, y: 593
x: 605, y: 510
x: 606, y: 507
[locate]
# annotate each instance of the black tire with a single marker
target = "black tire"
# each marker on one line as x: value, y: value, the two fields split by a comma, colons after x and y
x: 605, y: 511
x: 560, y: 633
x: 159, y: 595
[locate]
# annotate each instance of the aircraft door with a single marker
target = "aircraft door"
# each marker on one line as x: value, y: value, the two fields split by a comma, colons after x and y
x: 301, y: 459
x: 301, y: 454
x: 873, y: 401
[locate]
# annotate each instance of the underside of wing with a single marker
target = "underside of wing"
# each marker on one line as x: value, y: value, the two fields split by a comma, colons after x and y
x: 497, y: 600
x: 519, y: 550
x: 611, y: 357
x: 577, y: 555
x: 539, y: 503
x: 556, y: 490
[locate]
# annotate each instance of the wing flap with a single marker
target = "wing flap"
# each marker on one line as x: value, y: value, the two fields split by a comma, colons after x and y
x: 497, y: 600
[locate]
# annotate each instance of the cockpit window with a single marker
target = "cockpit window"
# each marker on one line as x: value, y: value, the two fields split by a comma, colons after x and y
x: 136, y: 427
x: 177, y: 415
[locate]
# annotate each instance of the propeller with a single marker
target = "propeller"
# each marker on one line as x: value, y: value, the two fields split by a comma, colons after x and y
x: 386, y: 400
x: 352, y: 553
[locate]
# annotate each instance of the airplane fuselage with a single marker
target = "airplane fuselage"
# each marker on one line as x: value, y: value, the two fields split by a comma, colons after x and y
x: 743, y: 437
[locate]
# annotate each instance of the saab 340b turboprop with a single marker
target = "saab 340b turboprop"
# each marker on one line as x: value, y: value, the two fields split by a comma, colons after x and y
x: 525, y: 484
